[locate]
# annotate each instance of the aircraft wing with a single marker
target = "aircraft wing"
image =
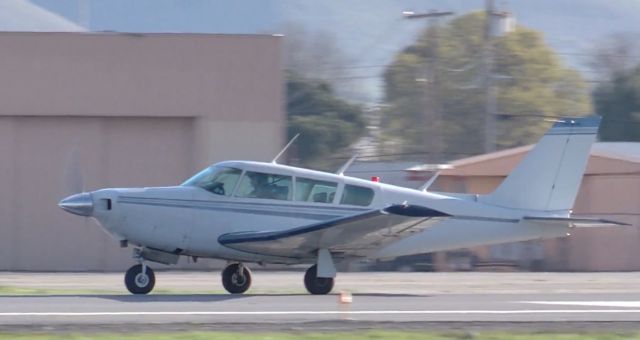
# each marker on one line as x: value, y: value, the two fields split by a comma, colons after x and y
x: 576, y: 221
x: 354, y: 235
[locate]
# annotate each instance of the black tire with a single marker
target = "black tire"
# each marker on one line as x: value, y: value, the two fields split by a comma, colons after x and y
x: 138, y: 283
x: 317, y: 285
x: 234, y: 283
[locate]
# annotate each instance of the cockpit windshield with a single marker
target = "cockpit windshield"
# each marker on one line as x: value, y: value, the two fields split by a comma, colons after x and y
x: 217, y: 180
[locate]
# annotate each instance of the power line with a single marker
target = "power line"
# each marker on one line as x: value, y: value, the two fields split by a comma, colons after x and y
x: 420, y: 153
x: 534, y: 115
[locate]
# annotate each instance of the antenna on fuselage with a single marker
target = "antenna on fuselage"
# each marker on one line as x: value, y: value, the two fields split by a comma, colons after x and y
x: 346, y: 165
x: 437, y: 168
x: 274, y: 161
x: 431, y: 180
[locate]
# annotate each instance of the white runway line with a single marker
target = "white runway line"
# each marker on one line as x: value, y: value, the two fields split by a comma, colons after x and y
x: 628, y: 304
x: 381, y: 312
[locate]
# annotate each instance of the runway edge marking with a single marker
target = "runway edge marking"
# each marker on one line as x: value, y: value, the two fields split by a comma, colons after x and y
x: 628, y: 304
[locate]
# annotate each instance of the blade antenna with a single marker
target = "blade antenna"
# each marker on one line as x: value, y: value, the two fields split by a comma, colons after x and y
x: 275, y: 159
x: 346, y: 165
x: 431, y: 180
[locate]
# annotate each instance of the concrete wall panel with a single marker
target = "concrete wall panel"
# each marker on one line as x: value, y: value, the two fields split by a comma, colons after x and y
x: 141, y: 109
x: 226, y: 76
x: 112, y: 152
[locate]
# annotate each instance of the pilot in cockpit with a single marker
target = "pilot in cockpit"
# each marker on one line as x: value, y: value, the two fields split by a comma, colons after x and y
x: 260, y: 184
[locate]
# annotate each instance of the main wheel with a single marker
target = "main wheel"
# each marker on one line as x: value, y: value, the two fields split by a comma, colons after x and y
x: 234, y: 280
x: 138, y: 282
x: 317, y: 285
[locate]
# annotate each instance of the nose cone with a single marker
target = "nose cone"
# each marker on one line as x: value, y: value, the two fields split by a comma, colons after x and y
x: 79, y: 204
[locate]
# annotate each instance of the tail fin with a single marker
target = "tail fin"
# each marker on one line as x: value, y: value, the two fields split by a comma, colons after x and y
x: 549, y: 176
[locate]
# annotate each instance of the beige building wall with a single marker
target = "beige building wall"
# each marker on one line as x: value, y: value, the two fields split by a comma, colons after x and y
x: 141, y: 110
x: 617, y: 197
x: 610, y: 189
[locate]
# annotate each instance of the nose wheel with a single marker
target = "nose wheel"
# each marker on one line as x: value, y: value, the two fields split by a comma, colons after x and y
x: 236, y: 278
x: 139, y: 279
x: 317, y: 285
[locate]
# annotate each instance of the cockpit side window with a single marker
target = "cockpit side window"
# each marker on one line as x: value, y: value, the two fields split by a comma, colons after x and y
x: 263, y: 185
x: 219, y: 181
x: 312, y: 190
x: 356, y: 195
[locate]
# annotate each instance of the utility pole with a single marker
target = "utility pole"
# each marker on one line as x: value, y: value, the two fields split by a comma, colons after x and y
x: 432, y: 110
x: 490, y: 131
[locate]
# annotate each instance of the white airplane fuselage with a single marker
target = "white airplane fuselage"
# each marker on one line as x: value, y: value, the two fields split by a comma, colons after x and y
x: 189, y: 220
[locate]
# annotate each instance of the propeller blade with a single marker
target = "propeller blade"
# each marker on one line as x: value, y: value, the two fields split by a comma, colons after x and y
x: 74, y: 181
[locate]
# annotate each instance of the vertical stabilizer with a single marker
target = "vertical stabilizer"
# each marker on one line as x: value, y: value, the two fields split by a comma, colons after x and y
x: 549, y: 176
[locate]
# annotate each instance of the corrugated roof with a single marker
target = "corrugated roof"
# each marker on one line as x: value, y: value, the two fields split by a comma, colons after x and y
x: 484, y: 165
x: 491, y: 156
x: 23, y: 16
x: 626, y: 151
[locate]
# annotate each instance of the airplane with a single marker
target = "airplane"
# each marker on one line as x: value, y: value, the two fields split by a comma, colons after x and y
x: 261, y: 212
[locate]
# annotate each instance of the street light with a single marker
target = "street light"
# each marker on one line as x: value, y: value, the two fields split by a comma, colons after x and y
x: 431, y: 14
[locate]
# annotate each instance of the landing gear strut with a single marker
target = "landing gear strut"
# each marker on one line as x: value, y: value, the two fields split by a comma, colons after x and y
x: 140, y: 279
x: 236, y: 278
x: 317, y: 285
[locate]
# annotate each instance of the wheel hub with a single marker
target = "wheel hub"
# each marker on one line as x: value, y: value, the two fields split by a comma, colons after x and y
x: 238, y: 279
x: 142, y: 280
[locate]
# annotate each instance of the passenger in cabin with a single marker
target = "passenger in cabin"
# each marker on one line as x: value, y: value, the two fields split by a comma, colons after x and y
x: 260, y: 184
x: 320, y: 197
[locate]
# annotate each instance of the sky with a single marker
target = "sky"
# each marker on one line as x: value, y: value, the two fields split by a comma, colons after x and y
x: 370, y: 32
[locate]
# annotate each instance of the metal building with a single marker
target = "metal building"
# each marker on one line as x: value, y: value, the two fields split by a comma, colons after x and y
x: 610, y: 189
x: 140, y: 109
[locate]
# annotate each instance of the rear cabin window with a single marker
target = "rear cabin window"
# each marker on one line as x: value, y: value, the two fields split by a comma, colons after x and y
x: 311, y: 190
x: 219, y: 181
x: 355, y: 195
x: 263, y: 185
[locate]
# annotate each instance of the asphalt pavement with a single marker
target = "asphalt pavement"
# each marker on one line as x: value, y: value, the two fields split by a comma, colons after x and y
x: 378, y: 300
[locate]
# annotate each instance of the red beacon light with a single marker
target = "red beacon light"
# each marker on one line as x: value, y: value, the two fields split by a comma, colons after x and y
x: 375, y: 179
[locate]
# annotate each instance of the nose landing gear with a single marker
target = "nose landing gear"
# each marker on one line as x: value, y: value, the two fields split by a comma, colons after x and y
x: 139, y: 279
x: 236, y: 278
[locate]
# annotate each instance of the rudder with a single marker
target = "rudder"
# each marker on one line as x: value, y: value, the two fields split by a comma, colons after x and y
x: 549, y: 176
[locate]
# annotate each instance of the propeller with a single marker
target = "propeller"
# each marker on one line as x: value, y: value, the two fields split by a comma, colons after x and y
x: 74, y: 181
x: 76, y: 201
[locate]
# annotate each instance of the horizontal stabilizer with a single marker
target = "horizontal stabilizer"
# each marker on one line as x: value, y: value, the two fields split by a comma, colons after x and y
x: 576, y: 222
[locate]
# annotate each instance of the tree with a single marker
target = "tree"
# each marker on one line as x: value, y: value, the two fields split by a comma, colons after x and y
x: 530, y: 80
x: 619, y: 104
x: 316, y: 55
x: 326, y: 123
x: 614, y: 55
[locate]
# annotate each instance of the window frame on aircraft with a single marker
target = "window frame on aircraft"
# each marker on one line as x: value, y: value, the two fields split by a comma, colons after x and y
x: 265, y: 190
x: 309, y: 195
x: 208, y: 179
x: 351, y: 189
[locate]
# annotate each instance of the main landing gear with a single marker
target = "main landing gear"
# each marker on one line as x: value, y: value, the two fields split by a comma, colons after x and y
x: 317, y: 285
x: 236, y: 278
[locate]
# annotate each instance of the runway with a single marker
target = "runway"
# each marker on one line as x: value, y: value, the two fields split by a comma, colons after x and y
x: 588, y: 303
